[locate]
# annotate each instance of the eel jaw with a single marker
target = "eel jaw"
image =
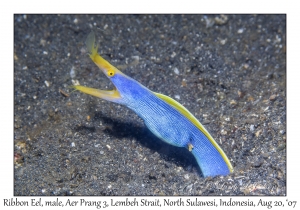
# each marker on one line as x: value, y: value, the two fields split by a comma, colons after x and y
x: 109, y: 95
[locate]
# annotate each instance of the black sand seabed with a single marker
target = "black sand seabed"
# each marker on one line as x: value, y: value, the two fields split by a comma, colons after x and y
x: 229, y: 71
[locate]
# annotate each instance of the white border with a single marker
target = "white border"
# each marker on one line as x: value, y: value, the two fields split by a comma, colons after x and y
x: 154, y: 6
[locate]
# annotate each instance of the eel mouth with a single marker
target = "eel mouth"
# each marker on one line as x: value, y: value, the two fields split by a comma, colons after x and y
x: 110, y: 95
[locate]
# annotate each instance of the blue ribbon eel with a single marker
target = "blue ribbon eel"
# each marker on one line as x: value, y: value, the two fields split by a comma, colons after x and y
x: 164, y: 117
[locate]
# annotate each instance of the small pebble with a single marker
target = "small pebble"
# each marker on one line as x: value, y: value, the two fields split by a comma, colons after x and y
x: 258, y: 133
x: 223, y: 132
x: 72, y: 72
x: 176, y: 71
x: 240, y: 31
x: 272, y: 97
x: 281, y: 147
x: 186, y: 176
x: 233, y: 102
x: 223, y: 41
x: 221, y: 20
x: 173, y: 54
x: 47, y: 83
x: 75, y: 82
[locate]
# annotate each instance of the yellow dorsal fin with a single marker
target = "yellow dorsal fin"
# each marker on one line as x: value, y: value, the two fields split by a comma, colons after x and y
x: 193, y: 119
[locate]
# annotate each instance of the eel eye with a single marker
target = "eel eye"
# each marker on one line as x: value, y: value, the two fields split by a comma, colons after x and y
x: 110, y: 73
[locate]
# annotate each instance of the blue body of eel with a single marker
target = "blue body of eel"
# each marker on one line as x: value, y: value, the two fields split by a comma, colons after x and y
x: 165, y: 117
